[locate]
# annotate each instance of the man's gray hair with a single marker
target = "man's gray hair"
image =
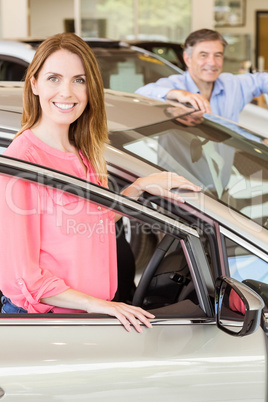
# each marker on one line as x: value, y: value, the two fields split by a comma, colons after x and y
x: 202, y: 35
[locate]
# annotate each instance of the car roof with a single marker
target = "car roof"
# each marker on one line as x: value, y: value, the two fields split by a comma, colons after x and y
x: 92, y: 41
x: 106, y: 43
x: 125, y: 111
x: 156, y: 43
x: 22, y: 51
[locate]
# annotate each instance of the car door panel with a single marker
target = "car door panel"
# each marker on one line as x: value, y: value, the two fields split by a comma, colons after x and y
x: 98, y: 360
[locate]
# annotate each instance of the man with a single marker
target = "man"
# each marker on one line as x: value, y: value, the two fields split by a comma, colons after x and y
x: 204, y: 85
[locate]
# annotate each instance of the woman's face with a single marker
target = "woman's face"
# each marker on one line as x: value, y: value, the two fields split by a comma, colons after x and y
x: 62, y: 89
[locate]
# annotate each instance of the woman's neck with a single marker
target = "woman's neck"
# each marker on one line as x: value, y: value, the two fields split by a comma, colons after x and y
x: 57, y: 137
x: 54, y: 137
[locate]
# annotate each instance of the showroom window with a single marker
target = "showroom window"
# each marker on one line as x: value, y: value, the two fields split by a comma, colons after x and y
x: 167, y: 20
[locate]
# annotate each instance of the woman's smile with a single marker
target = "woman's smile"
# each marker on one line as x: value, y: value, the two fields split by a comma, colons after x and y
x: 64, y: 106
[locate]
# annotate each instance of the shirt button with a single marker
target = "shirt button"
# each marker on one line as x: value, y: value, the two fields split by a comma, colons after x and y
x: 20, y: 283
x: 101, y: 221
x: 99, y: 208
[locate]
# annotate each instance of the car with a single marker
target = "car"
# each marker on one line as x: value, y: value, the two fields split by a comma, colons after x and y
x: 171, y: 51
x: 14, y: 59
x: 191, y: 261
x: 124, y: 67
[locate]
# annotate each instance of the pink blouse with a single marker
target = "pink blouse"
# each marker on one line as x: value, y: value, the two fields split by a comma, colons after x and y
x: 51, y: 240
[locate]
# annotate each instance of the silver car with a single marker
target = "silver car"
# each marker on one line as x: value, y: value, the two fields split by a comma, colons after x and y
x: 190, y: 261
x: 123, y: 67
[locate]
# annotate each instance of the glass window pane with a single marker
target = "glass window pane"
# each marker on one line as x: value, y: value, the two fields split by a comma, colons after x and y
x: 125, y: 69
x: 229, y: 167
x: 243, y: 264
x: 107, y: 18
x: 167, y: 20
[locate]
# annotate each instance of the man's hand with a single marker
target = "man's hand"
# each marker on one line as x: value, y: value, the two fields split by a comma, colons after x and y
x: 196, y: 100
x: 160, y: 184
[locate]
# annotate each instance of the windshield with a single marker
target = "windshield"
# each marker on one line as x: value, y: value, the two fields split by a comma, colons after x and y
x: 229, y: 162
x: 118, y: 65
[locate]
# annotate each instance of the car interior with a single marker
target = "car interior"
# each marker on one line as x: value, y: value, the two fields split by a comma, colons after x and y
x: 158, y: 276
x: 162, y: 284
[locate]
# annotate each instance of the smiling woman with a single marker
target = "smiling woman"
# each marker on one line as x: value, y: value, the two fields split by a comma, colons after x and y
x: 62, y: 96
x: 64, y: 128
x: 64, y: 66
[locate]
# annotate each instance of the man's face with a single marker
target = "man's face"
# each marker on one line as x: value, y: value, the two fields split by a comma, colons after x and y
x: 205, y: 63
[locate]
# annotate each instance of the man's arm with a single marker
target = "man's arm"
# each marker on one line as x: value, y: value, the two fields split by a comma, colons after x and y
x: 252, y: 85
x: 174, y: 88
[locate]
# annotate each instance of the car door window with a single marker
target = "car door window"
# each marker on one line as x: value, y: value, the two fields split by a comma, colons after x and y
x: 245, y: 264
x: 170, y: 54
x: 116, y: 65
x: 12, y: 70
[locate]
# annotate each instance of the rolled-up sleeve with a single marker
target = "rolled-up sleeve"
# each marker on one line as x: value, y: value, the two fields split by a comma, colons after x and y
x: 160, y: 88
x: 22, y: 279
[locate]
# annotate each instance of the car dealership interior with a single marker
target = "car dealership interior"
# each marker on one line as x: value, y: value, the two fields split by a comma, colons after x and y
x: 243, y: 22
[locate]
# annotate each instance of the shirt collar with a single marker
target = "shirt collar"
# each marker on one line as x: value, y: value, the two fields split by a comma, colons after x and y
x: 190, y: 84
x: 218, y: 86
x: 217, y: 89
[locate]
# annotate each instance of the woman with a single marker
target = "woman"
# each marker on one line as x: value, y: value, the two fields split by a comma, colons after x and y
x: 56, y: 268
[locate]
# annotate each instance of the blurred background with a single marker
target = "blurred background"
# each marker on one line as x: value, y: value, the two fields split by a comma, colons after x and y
x: 244, y: 23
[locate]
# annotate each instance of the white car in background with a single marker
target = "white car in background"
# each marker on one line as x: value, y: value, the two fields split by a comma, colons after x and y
x: 123, y: 67
x: 14, y: 60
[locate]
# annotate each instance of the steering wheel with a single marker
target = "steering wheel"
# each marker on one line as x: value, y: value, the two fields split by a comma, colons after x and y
x: 151, y: 268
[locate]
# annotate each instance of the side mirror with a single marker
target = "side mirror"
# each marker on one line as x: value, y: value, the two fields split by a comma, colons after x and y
x: 238, y: 308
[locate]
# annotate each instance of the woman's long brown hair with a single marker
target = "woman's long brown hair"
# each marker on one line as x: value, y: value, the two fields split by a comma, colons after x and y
x: 89, y: 132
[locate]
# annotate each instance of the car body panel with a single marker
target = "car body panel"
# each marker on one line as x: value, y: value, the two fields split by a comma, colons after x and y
x: 120, y: 116
x: 118, y: 107
x: 99, y: 360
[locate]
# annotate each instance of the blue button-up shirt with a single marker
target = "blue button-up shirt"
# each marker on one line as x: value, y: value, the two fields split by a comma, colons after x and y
x: 229, y: 96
